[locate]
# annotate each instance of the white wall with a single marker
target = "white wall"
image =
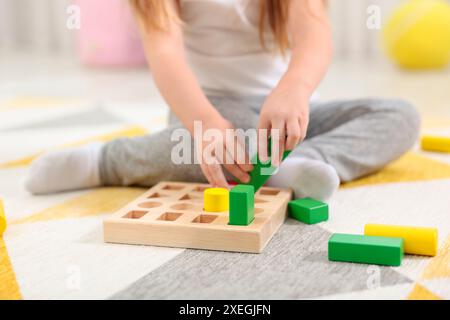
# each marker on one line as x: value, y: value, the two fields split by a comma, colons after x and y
x: 35, y: 26
x: 40, y: 26
x: 352, y: 38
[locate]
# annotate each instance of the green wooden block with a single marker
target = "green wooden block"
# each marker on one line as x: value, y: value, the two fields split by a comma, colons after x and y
x: 262, y: 171
x: 365, y: 249
x: 308, y: 210
x: 242, y: 205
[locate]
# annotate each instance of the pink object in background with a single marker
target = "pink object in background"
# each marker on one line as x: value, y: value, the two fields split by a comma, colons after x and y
x: 108, y: 34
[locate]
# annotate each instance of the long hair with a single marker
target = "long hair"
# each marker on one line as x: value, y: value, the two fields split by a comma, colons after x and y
x: 156, y: 15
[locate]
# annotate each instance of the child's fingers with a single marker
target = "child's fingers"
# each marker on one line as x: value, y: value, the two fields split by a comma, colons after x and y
x: 241, y: 157
x: 263, y: 146
x: 237, y: 172
x: 207, y: 174
x: 263, y: 152
x: 235, y: 161
x: 217, y: 175
x: 278, y: 134
x: 214, y: 169
x: 281, y: 151
x: 303, y: 128
x: 293, y: 134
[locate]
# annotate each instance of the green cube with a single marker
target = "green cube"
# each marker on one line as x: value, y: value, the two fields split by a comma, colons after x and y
x: 308, y: 210
x: 365, y: 249
x: 242, y: 205
x: 262, y: 171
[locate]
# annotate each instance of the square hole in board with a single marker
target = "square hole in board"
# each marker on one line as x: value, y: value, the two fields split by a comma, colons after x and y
x: 259, y: 200
x: 135, y: 214
x: 200, y: 188
x: 173, y: 187
x: 169, y: 216
x: 157, y: 195
x: 258, y: 210
x: 204, y: 218
x: 268, y: 192
x: 191, y: 197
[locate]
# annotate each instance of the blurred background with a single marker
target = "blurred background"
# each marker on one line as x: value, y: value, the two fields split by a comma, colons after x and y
x: 41, y: 55
x: 39, y: 27
x: 63, y: 86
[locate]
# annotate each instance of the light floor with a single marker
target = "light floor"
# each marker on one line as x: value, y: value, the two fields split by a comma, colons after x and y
x: 53, y: 246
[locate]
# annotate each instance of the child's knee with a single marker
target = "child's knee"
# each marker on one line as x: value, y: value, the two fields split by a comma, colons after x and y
x: 411, y: 117
x: 404, y: 122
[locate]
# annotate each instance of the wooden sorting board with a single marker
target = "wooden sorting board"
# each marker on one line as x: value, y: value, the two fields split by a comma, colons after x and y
x: 171, y: 215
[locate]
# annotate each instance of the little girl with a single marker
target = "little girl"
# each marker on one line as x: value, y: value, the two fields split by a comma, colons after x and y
x: 242, y: 64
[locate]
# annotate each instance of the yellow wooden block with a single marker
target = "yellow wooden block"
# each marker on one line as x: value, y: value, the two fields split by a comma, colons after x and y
x: 417, y: 240
x: 215, y: 199
x: 434, y: 143
x: 2, y: 219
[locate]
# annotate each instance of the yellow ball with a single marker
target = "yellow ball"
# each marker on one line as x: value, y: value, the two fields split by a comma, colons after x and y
x: 417, y: 36
x: 216, y: 199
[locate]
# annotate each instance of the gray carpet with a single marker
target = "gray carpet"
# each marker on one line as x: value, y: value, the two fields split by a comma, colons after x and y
x: 294, y: 265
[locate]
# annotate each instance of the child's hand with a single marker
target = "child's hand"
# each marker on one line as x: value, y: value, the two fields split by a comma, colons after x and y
x: 287, y: 110
x: 211, y: 163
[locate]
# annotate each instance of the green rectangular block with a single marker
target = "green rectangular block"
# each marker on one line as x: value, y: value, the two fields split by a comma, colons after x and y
x: 365, y: 249
x: 262, y: 171
x: 242, y: 205
x: 308, y: 210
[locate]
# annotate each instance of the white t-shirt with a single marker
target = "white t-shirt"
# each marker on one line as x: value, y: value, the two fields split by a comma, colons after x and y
x: 224, y: 50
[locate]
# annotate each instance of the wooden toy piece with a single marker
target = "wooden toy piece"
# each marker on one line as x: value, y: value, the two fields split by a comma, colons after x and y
x: 417, y: 240
x: 365, y: 249
x: 2, y: 219
x: 263, y: 171
x: 308, y: 210
x: 434, y: 143
x: 242, y: 205
x: 215, y: 200
x: 171, y: 215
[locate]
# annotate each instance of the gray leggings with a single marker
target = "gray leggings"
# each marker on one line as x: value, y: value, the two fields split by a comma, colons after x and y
x: 356, y: 137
